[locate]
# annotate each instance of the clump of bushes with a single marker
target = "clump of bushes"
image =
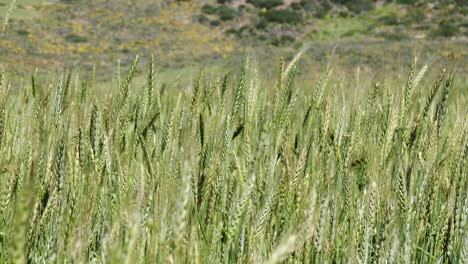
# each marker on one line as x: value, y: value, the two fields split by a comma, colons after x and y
x: 208, y: 9
x: 268, y: 4
x: 262, y: 24
x: 224, y: 12
x: 283, y: 16
x: 283, y: 40
x: 295, y: 6
x: 243, y: 32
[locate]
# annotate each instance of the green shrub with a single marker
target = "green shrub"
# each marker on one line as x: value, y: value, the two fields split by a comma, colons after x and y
x: 268, y: 4
x: 287, y: 38
x: 73, y: 38
x: 405, y: 2
x: 215, y: 23
x: 202, y: 19
x: 414, y: 15
x: 226, y: 13
x: 222, y: 11
x: 242, y: 8
x: 389, y: 20
x: 22, y: 32
x: 296, y: 6
x: 246, y: 31
x: 360, y: 6
x: 208, y: 9
x: 231, y: 31
x: 445, y: 28
x: 283, y: 40
x: 262, y: 24
x: 282, y: 16
x: 319, y: 10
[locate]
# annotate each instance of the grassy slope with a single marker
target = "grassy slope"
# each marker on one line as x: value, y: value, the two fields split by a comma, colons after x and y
x: 119, y: 30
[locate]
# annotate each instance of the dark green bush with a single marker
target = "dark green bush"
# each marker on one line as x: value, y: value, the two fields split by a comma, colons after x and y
x: 389, y: 20
x: 73, y: 38
x: 202, y: 19
x: 446, y: 28
x: 296, y: 6
x: 318, y: 10
x: 231, y: 31
x: 360, y: 6
x: 287, y: 38
x: 262, y: 24
x: 222, y: 11
x: 22, y: 32
x: 215, y: 23
x: 406, y: 2
x: 268, y: 4
x: 246, y: 31
x: 283, y: 16
x: 242, y: 8
x: 208, y: 9
x: 243, y: 32
x: 226, y: 13
x: 283, y: 40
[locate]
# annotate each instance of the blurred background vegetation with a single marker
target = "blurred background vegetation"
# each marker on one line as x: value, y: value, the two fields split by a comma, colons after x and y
x: 367, y: 34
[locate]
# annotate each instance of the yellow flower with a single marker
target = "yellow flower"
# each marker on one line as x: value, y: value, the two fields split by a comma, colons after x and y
x: 228, y: 48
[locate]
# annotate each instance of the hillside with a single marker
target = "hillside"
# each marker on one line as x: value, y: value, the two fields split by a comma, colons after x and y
x: 72, y: 33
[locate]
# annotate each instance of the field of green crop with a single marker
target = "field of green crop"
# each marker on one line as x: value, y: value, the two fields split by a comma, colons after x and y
x: 234, y: 168
x: 234, y: 165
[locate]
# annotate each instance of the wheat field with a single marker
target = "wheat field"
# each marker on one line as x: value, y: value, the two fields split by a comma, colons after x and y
x: 234, y: 169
